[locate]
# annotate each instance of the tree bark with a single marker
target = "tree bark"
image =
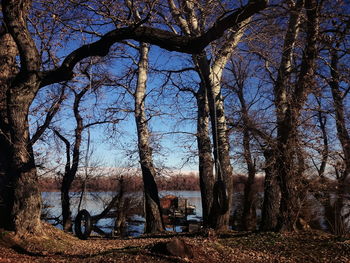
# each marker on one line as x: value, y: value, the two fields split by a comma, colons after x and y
x: 72, y: 164
x: 21, y: 195
x: 154, y: 222
x: 211, y: 77
x: 8, y: 52
x: 288, y: 106
x: 272, y: 194
x: 206, y: 163
x: 249, y: 196
x: 67, y: 180
x: 335, y: 211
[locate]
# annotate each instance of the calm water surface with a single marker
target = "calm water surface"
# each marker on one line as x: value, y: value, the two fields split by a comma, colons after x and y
x: 95, y: 202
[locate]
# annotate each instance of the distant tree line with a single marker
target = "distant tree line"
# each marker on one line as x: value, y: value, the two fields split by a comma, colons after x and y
x: 181, y: 182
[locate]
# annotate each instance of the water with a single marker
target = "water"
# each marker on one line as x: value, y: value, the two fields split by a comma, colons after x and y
x: 95, y: 202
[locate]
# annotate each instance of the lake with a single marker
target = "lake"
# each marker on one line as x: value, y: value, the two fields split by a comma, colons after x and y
x: 95, y: 202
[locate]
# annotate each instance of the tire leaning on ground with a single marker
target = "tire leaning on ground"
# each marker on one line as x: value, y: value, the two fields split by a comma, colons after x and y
x: 82, y: 224
x: 220, y: 197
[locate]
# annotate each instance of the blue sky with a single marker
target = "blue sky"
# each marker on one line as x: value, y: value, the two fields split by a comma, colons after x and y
x: 116, y: 151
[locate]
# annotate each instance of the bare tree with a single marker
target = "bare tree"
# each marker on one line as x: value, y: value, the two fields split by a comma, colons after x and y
x: 240, y: 75
x: 289, y: 104
x: 154, y: 222
x: 210, y: 74
x: 19, y: 87
x: 73, y: 150
x: 336, y: 47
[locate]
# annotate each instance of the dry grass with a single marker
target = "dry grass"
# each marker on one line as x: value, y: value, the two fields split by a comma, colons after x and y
x: 57, y: 246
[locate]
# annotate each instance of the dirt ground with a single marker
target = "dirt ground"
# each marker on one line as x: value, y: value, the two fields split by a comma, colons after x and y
x: 57, y: 246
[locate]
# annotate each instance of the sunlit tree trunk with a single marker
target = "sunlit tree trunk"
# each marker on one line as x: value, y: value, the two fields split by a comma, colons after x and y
x: 153, y: 215
x: 206, y: 163
x: 211, y: 77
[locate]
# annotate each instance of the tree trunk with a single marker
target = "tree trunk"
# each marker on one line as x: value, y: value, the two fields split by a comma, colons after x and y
x: 249, y: 197
x: 342, y: 131
x: 322, y: 120
x: 154, y: 222
x: 272, y: 194
x: 222, y: 153
x: 221, y: 144
x: 335, y: 211
x: 65, y: 204
x: 8, y: 52
x: 289, y: 102
x: 21, y: 196
x: 211, y: 78
x: 67, y: 181
x: 206, y: 163
x: 71, y: 167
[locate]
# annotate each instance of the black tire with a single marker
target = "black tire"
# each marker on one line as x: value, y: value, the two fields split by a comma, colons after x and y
x: 82, y: 224
x: 220, y: 197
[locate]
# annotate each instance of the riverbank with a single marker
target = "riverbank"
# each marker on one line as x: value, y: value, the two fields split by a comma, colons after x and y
x: 57, y: 246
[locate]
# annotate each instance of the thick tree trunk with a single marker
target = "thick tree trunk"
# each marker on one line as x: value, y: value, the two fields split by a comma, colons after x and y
x: 211, y: 78
x: 21, y: 196
x: 342, y: 131
x: 221, y: 144
x: 337, y: 220
x: 154, y: 222
x: 8, y: 52
x: 206, y: 163
x: 222, y: 153
x: 289, y: 102
x: 286, y: 126
x: 272, y: 194
x: 65, y: 205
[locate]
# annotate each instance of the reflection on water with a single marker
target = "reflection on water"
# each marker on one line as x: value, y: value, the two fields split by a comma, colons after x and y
x: 95, y: 202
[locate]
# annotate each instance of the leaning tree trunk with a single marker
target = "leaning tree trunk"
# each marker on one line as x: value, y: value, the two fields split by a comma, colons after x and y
x: 154, y: 222
x: 206, y: 163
